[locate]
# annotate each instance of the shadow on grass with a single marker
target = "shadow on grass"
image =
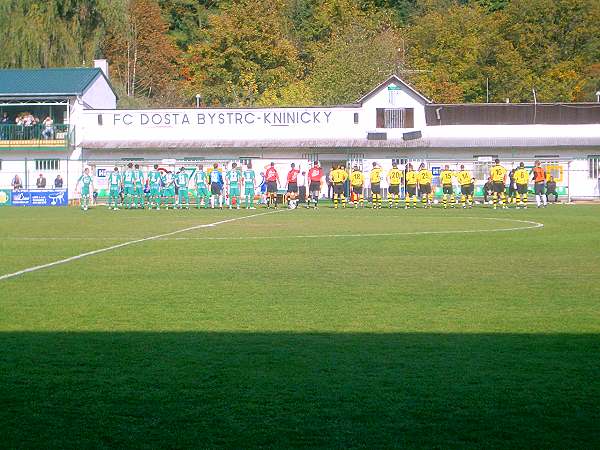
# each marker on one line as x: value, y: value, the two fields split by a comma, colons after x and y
x: 243, y: 390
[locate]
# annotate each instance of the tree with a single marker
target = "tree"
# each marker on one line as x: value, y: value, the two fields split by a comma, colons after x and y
x: 559, y: 39
x: 462, y: 48
x: 351, y: 63
x: 52, y: 33
x: 245, y: 52
x: 142, y: 56
x: 187, y: 19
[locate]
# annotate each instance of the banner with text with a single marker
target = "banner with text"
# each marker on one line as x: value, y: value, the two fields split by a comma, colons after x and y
x: 41, y: 197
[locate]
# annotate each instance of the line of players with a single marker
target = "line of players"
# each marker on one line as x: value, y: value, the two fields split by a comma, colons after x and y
x: 172, y: 190
x: 418, y: 183
x: 210, y: 186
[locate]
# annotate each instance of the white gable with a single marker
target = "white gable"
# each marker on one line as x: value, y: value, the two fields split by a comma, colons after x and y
x: 99, y: 95
x: 394, y: 94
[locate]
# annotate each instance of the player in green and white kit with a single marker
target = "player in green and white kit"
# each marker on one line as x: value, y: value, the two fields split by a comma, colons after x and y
x: 114, y: 185
x: 87, y: 186
x: 234, y: 177
x: 249, y: 180
x: 169, y: 190
x: 128, y: 186
x: 155, y: 179
x: 139, y: 187
x: 182, y: 180
x: 202, y: 192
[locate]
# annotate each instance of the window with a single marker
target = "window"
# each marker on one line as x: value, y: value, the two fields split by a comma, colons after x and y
x: 355, y: 118
x: 47, y: 164
x: 554, y: 170
x: 395, y: 118
x: 594, y: 166
x: 245, y: 160
x: 481, y: 170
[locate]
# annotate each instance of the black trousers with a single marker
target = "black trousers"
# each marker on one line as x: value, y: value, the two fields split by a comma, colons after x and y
x: 302, y: 194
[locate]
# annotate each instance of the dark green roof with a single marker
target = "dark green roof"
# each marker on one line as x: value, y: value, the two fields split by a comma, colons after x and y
x: 46, y: 82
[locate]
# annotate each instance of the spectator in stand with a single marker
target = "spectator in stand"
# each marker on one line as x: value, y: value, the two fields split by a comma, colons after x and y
x: 17, y: 183
x: 4, y: 130
x: 551, y: 190
x: 48, y: 132
x: 41, y: 182
x: 488, y: 190
x: 58, y: 181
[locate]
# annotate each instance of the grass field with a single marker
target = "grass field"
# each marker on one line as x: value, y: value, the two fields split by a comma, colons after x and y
x: 329, y: 328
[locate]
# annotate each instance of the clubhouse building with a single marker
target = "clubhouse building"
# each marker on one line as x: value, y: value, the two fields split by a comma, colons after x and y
x: 393, y: 122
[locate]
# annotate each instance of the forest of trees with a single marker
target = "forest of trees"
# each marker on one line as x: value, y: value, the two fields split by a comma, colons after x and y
x: 307, y: 52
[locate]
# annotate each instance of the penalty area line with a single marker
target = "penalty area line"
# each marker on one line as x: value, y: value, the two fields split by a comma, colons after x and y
x: 128, y: 243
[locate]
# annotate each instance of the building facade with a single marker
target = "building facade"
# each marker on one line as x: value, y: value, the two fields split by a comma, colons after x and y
x: 393, y: 122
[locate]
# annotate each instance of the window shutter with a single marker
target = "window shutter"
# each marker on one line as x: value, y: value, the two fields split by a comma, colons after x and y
x: 409, y: 118
x: 380, y: 120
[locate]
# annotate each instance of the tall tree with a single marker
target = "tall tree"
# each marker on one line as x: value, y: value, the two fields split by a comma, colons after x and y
x: 559, y: 39
x: 52, y: 33
x: 142, y: 56
x: 462, y: 51
x: 246, y: 51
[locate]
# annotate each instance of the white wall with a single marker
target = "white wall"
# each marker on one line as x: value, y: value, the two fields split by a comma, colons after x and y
x: 192, y: 127
x: 99, y: 95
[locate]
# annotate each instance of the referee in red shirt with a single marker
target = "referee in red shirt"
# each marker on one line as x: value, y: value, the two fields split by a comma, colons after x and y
x: 315, y: 175
x: 272, y: 179
x: 292, y: 186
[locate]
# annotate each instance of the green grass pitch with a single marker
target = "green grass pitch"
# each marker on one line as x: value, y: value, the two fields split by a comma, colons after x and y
x: 311, y: 329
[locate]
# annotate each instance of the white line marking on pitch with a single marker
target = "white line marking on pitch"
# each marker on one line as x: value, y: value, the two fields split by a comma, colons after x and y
x: 530, y: 225
x: 125, y: 244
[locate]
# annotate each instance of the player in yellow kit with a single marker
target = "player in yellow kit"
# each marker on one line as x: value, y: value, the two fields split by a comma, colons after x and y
x: 446, y: 176
x: 411, y: 187
x: 425, y: 177
x: 357, y: 180
x: 375, y: 177
x: 467, y: 187
x: 498, y: 174
x: 394, y: 178
x: 338, y: 176
x: 521, y: 179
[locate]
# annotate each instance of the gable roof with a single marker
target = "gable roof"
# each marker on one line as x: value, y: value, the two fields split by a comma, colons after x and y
x: 396, y: 80
x: 47, y: 82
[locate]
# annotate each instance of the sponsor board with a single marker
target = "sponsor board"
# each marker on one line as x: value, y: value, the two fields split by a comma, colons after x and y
x: 40, y: 197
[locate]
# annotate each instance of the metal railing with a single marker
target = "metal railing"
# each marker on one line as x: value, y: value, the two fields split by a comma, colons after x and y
x: 20, y: 136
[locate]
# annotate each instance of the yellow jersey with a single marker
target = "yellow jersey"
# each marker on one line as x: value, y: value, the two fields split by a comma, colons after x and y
x: 338, y: 175
x: 375, y: 175
x: 446, y: 176
x: 498, y: 174
x: 357, y: 178
x: 411, y: 178
x: 521, y: 176
x: 464, y: 178
x: 395, y: 176
x: 425, y: 176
